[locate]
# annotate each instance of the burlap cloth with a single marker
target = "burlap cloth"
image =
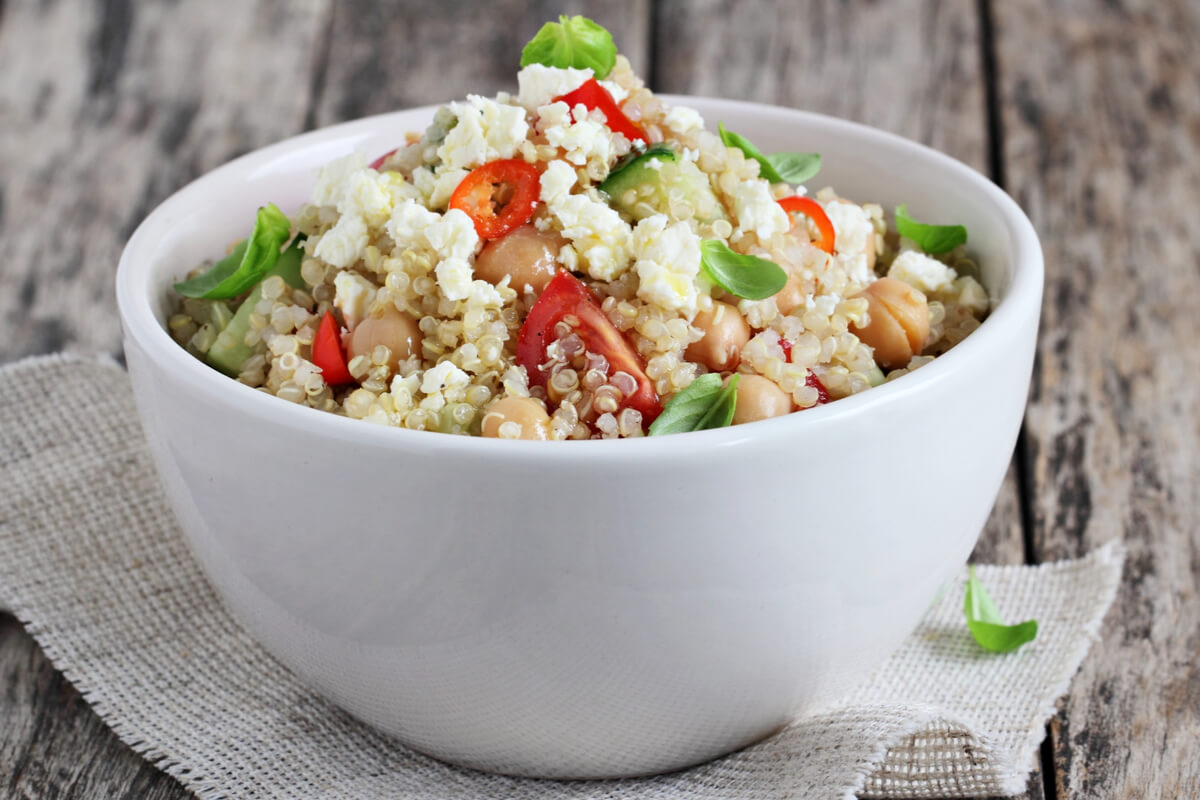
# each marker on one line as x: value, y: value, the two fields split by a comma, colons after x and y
x: 94, y: 565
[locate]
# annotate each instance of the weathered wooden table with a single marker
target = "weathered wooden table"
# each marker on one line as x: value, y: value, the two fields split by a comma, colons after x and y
x: 1086, y: 111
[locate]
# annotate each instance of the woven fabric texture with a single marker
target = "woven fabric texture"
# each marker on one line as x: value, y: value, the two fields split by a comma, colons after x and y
x: 95, y: 566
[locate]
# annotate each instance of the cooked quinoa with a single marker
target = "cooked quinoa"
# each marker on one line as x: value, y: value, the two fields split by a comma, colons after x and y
x: 382, y: 242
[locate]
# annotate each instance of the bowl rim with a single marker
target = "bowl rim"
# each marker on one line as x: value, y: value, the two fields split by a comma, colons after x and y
x: 140, y: 324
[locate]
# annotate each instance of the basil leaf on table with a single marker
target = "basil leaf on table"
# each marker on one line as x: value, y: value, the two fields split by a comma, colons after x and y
x: 703, y: 405
x: 777, y: 167
x: 572, y: 42
x: 932, y: 239
x: 749, y: 277
x: 247, y: 264
x: 986, y: 624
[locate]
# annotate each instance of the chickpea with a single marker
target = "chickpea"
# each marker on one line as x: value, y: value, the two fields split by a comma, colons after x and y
x: 791, y: 296
x: 725, y: 334
x: 533, y: 419
x: 393, y: 328
x: 899, y: 322
x: 759, y: 398
x: 527, y: 256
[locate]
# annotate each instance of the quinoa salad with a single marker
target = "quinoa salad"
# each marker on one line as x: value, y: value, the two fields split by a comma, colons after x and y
x: 577, y: 260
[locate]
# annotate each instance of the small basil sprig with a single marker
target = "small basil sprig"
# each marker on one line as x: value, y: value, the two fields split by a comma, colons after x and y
x: 777, y: 167
x: 933, y: 239
x: 704, y: 404
x: 247, y: 264
x: 745, y: 276
x: 986, y: 624
x: 572, y: 42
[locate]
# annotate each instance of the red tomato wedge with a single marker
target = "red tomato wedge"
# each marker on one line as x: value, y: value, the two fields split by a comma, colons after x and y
x: 328, y: 354
x: 565, y: 296
x: 377, y: 163
x: 498, y: 196
x: 812, y: 209
x: 595, y: 96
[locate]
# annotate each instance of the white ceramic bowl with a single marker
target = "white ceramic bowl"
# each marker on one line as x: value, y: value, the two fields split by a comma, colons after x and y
x: 599, y: 608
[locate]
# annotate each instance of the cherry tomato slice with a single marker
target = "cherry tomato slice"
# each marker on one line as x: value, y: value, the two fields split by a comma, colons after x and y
x: 822, y: 392
x: 594, y: 96
x: 565, y: 296
x: 377, y: 163
x: 811, y: 380
x: 481, y: 196
x: 812, y: 209
x: 327, y: 352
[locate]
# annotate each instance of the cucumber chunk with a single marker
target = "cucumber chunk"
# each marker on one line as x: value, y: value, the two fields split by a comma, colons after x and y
x: 658, y: 181
x: 230, y: 350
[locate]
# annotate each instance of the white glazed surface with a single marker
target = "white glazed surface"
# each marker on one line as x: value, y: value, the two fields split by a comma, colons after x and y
x: 587, y: 609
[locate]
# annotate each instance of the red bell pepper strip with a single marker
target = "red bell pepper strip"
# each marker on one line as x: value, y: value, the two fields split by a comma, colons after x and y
x: 565, y: 296
x: 595, y: 96
x: 327, y: 353
x: 478, y: 195
x: 812, y: 209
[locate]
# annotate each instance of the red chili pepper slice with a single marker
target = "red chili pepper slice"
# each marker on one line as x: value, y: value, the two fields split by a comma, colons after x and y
x: 565, y: 296
x: 595, y: 96
x: 327, y: 353
x: 377, y: 163
x: 482, y: 195
x: 812, y: 209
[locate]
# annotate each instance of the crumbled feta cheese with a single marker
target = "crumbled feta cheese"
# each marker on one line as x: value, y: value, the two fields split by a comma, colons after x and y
x: 538, y: 84
x: 682, y: 120
x: 444, y: 184
x: 352, y: 293
x: 366, y: 194
x: 452, y: 235
x: 922, y: 272
x: 454, y: 277
x: 331, y: 177
x: 668, y: 261
x: 444, y: 377
x: 616, y: 90
x: 756, y: 209
x: 486, y: 130
x: 575, y: 132
x: 557, y: 182
x: 409, y: 221
x: 600, y: 238
x: 851, y: 226
x: 344, y: 243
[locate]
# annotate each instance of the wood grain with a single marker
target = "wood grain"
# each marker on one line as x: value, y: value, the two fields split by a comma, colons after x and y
x: 1101, y: 121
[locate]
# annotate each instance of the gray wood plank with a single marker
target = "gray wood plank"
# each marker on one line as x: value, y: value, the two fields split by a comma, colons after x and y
x: 1102, y: 137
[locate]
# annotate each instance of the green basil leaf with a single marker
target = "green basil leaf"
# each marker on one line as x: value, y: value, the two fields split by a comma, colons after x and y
x: 777, y: 167
x: 572, y: 42
x: 703, y: 405
x: 986, y: 624
x: 247, y: 264
x: 795, y: 167
x: 933, y: 239
x: 745, y: 276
